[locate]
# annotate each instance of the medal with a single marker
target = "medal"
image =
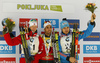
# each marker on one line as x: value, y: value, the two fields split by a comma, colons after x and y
x: 47, y: 57
x: 47, y: 48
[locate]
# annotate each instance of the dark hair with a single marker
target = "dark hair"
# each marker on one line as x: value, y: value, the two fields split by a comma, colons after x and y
x: 64, y: 19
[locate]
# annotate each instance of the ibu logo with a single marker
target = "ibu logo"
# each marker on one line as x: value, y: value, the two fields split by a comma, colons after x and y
x: 53, y: 22
x: 91, y: 49
x: 6, y: 49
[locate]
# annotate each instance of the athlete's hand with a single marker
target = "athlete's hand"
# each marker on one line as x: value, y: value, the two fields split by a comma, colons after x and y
x: 72, y: 59
x: 5, y: 29
x: 93, y: 16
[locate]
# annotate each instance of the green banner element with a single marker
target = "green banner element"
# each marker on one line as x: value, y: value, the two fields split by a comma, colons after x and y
x: 56, y: 8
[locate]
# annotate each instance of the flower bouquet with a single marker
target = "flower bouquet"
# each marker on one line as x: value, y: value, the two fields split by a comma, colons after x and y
x: 8, y: 25
x: 91, y: 7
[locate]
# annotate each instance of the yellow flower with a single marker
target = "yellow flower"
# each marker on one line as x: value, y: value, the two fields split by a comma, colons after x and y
x: 90, y: 6
x: 13, y: 22
x: 86, y: 6
x: 8, y: 18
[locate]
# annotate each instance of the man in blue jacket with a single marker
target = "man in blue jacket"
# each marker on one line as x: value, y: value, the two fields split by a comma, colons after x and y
x: 65, y: 39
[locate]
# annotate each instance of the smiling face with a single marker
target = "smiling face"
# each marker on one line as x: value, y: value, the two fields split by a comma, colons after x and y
x: 33, y: 28
x: 65, y: 30
x: 48, y: 30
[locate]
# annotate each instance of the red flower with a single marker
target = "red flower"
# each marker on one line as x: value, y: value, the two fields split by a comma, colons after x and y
x: 4, y: 27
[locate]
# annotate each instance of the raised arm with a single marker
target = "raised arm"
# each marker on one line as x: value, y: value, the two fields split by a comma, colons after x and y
x: 12, y: 41
x: 91, y: 25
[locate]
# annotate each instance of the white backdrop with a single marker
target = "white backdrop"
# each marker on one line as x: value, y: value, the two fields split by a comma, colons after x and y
x: 72, y: 9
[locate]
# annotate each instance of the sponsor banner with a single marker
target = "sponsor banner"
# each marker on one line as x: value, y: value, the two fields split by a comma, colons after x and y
x: 21, y: 51
x: 8, y: 60
x: 78, y: 49
x: 22, y: 56
x: 19, y: 48
x: 24, y: 21
x: 2, y: 37
x: 95, y: 36
x: 54, y: 22
x: 6, y: 49
x: 91, y: 59
x: 91, y: 49
x: 38, y: 8
x: 73, y: 21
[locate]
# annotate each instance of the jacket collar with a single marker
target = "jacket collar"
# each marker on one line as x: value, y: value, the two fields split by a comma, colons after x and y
x: 32, y: 34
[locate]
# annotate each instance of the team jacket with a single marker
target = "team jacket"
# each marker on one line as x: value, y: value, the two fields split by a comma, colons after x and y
x: 37, y: 51
x: 50, y: 54
x: 66, y: 40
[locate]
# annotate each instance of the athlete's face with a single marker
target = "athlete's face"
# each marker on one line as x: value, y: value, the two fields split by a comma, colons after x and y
x: 48, y: 29
x: 33, y: 28
x: 65, y: 30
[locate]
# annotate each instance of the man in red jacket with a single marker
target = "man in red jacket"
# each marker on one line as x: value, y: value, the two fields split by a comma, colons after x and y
x: 34, y: 42
x: 48, y: 56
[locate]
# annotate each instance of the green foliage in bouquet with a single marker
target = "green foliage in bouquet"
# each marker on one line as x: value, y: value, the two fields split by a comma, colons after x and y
x: 91, y: 7
x: 9, y: 25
